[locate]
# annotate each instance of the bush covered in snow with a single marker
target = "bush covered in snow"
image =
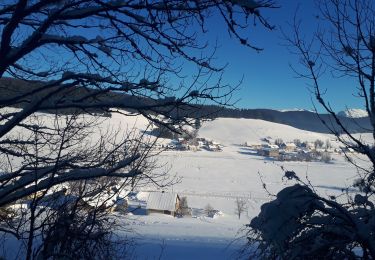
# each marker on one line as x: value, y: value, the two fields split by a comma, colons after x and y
x: 301, y: 224
x: 326, y: 157
x: 209, y: 211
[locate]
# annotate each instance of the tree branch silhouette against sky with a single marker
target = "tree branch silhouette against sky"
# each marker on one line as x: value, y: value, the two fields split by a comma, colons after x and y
x: 268, y: 79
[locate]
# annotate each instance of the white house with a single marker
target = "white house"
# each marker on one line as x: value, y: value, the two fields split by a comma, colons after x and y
x: 289, y: 146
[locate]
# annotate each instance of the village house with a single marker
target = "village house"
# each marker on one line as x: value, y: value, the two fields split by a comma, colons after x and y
x: 214, y: 148
x: 215, y: 143
x: 201, y: 143
x: 163, y: 202
x: 270, y: 152
x: 310, y: 146
x: 288, y: 146
x: 269, y: 146
x: 290, y: 156
x: 272, y: 146
x: 254, y: 145
x: 62, y: 198
x: 194, y: 148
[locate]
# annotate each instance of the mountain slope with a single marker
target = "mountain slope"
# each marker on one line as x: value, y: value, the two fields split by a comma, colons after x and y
x: 237, y: 131
x: 300, y: 119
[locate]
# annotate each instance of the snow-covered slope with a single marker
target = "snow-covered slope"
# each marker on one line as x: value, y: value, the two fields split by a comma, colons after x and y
x: 219, y: 179
x: 353, y: 113
x: 237, y: 131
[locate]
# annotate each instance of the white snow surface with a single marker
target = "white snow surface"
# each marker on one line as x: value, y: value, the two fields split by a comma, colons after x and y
x: 231, y: 131
x: 218, y: 179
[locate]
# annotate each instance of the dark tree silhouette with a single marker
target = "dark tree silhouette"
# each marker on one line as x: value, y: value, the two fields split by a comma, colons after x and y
x: 240, y: 207
x: 309, y: 225
x: 83, y: 60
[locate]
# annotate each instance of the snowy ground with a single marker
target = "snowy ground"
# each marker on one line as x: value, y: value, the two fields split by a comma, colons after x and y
x: 218, y: 179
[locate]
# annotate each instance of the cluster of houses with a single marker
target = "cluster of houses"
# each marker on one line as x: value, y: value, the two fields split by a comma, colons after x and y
x: 290, y: 151
x: 195, y: 144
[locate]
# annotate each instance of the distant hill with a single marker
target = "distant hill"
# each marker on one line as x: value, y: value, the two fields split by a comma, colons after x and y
x: 230, y: 131
x: 300, y: 119
x: 11, y: 88
x: 304, y: 120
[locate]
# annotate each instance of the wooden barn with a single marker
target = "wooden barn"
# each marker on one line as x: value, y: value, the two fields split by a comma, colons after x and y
x: 163, y: 202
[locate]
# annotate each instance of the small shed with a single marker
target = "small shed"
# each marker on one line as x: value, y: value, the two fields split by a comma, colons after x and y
x: 163, y: 202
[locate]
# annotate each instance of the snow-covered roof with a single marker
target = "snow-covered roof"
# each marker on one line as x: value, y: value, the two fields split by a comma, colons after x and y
x: 270, y: 149
x: 162, y: 201
x: 271, y: 146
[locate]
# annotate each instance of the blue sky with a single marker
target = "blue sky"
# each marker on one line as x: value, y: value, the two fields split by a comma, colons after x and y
x: 269, y: 82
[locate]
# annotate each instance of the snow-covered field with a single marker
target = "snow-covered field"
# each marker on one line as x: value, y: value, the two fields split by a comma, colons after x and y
x: 218, y: 179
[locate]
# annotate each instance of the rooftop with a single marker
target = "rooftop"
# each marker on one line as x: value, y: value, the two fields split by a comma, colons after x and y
x: 162, y: 201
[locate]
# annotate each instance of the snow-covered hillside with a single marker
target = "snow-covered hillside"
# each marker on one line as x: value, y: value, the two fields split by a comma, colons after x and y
x: 231, y: 131
x: 218, y: 179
